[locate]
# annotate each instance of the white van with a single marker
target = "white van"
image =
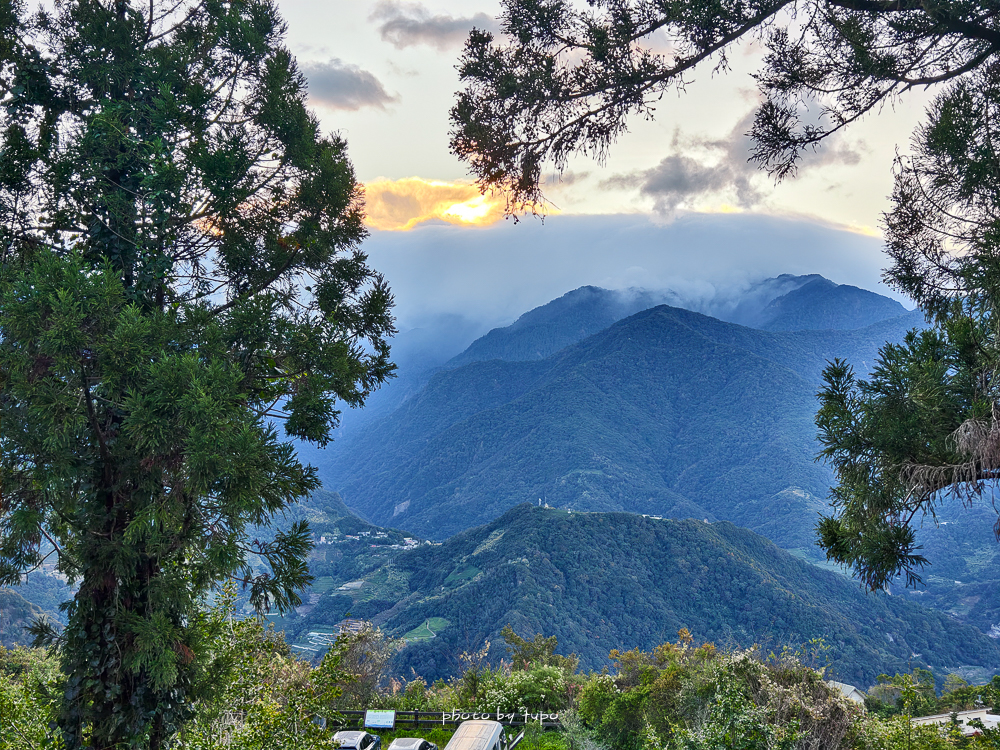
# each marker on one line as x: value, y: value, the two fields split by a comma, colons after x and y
x: 477, y: 735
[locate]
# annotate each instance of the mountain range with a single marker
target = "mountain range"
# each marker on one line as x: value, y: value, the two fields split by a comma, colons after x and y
x: 666, y: 411
x: 16, y: 612
x: 771, y: 304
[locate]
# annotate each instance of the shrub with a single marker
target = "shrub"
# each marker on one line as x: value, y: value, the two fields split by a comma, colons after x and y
x: 896, y: 733
x: 365, y: 656
x: 30, y: 683
x: 597, y: 693
x: 541, y: 688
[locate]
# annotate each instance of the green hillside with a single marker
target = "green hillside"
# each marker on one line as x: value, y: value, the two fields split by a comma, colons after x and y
x: 667, y: 412
x: 16, y: 612
x: 964, y: 577
x: 611, y: 580
x: 346, y: 550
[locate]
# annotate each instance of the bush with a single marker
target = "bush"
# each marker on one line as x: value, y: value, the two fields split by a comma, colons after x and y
x: 596, y: 695
x: 30, y: 687
x: 541, y: 688
x: 896, y: 733
x: 266, y: 698
x: 692, y: 697
x: 365, y: 656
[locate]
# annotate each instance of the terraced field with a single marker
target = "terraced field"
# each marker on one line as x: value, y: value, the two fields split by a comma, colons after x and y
x: 426, y: 631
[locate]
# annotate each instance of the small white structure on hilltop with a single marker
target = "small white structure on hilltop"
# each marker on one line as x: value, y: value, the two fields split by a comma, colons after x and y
x: 990, y: 721
x: 848, y: 691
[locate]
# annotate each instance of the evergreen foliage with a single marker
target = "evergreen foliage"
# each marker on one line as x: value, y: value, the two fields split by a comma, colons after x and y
x: 179, y: 265
x: 924, y: 427
x: 565, y: 79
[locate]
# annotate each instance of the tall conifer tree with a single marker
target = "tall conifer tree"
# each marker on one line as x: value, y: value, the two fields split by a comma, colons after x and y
x: 179, y: 268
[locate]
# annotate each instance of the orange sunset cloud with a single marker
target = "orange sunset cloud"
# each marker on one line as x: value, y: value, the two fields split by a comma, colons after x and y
x: 403, y: 204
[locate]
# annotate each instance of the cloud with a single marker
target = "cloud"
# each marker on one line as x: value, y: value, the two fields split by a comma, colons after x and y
x: 410, y: 24
x: 680, y: 181
x: 703, y: 170
x: 498, y: 272
x: 403, y: 204
x: 338, y: 85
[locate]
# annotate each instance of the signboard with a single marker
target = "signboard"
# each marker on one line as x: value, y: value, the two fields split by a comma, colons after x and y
x: 380, y: 719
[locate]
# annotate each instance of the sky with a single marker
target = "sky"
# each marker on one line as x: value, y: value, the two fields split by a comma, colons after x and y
x: 675, y: 204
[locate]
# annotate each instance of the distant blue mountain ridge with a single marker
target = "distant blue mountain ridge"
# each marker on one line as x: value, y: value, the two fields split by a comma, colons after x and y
x: 784, y: 303
x: 598, y: 401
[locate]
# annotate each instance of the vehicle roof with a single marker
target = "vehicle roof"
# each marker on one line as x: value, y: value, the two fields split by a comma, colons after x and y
x: 349, y: 735
x: 405, y: 743
x: 475, y: 735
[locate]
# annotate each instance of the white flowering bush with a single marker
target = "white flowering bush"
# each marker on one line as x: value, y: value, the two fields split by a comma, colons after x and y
x: 541, y: 688
x: 596, y: 695
x: 735, y: 722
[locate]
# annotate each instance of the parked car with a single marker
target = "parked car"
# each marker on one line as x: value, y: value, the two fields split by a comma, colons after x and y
x: 358, y: 741
x: 411, y: 743
x: 477, y: 735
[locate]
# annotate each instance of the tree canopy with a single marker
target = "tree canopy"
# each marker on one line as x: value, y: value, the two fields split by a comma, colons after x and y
x: 925, y: 425
x: 180, y: 272
x: 565, y: 78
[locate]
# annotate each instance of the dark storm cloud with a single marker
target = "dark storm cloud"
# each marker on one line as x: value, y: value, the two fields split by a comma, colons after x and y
x: 339, y: 85
x: 678, y: 179
x: 721, y: 168
x: 409, y: 24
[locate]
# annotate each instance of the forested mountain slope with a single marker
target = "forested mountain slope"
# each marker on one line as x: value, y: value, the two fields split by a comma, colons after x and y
x: 601, y: 581
x: 964, y: 576
x: 16, y: 612
x: 822, y: 304
x: 563, y: 321
x: 785, y: 303
x: 667, y: 412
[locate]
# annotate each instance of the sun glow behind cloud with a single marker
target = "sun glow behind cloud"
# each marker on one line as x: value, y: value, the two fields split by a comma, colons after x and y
x: 403, y: 204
